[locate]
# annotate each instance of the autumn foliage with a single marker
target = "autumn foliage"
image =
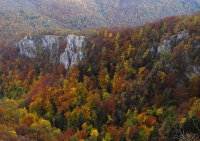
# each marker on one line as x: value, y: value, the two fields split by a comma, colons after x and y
x: 124, y: 89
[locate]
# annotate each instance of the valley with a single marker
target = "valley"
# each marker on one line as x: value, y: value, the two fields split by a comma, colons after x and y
x: 80, y: 76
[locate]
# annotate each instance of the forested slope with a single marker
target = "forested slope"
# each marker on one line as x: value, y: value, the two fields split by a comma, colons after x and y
x: 135, y: 83
x: 19, y: 16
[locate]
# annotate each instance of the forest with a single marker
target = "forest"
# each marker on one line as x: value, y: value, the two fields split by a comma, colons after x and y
x: 19, y: 16
x: 125, y: 89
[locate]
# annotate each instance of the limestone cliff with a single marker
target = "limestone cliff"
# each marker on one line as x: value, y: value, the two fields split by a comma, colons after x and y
x: 188, y: 64
x: 167, y: 44
x: 32, y: 46
x: 74, y: 50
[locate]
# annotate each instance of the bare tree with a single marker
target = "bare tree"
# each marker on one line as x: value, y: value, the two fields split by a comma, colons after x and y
x: 180, y: 133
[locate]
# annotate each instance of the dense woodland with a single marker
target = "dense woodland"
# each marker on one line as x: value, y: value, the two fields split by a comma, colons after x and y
x: 122, y: 90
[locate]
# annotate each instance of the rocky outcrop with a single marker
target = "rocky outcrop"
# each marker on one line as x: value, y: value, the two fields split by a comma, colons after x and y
x: 182, y: 35
x: 33, y: 45
x: 74, y: 50
x: 167, y: 44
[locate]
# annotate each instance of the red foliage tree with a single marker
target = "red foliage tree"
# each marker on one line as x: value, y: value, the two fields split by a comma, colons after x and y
x: 115, y: 132
x: 183, y: 109
x: 81, y: 134
x: 109, y: 105
x: 198, y: 114
x: 22, y: 130
x: 170, y: 79
x: 179, y: 94
x: 157, y: 99
x: 145, y: 73
x: 133, y: 130
x: 67, y: 134
x: 27, y: 120
x: 151, y: 120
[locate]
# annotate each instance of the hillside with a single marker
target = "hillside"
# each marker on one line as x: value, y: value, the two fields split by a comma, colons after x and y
x: 122, y: 83
x: 19, y: 16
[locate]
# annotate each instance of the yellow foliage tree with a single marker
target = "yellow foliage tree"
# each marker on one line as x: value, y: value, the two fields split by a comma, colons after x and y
x: 141, y: 118
x: 195, y: 108
x: 159, y: 111
x: 94, y: 132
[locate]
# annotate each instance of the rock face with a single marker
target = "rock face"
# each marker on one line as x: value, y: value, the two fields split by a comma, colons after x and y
x: 163, y: 50
x: 182, y: 35
x: 33, y: 45
x: 74, y: 50
x: 167, y: 44
x: 190, y: 66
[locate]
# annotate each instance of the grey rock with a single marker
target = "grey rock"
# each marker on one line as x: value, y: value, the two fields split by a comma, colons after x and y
x: 32, y: 46
x: 182, y: 35
x: 74, y: 50
x: 165, y: 46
